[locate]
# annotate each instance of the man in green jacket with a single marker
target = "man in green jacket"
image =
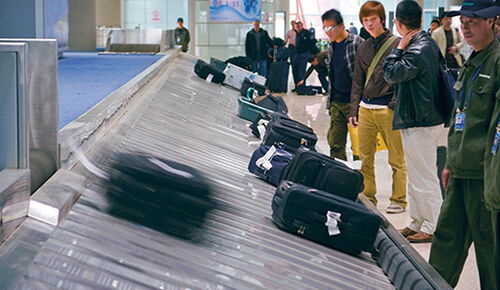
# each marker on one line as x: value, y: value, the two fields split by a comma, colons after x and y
x: 464, y: 217
x: 182, y: 35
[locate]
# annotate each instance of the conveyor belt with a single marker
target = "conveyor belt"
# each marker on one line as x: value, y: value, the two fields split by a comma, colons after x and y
x: 188, y: 120
x: 182, y: 118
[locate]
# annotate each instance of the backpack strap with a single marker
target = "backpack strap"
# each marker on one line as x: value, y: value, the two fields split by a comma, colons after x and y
x: 378, y: 55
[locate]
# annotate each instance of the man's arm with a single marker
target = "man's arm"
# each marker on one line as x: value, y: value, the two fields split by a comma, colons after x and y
x: 247, y: 45
x: 401, y: 67
x: 358, y: 84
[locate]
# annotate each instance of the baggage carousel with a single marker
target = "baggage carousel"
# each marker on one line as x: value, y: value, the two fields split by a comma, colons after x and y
x: 180, y: 117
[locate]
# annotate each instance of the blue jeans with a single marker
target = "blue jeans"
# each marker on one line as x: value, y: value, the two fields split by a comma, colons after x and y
x: 260, y: 67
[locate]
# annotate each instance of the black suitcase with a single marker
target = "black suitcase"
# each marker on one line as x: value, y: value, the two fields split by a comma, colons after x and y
x: 203, y: 70
x: 218, y: 64
x: 309, y: 90
x: 277, y: 80
x: 275, y: 104
x: 158, y: 193
x: 261, y: 90
x: 241, y: 61
x: 265, y: 117
x: 303, y: 211
x: 324, y: 173
x: 291, y: 133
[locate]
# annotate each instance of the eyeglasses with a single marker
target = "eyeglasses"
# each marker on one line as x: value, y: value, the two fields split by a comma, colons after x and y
x: 330, y: 28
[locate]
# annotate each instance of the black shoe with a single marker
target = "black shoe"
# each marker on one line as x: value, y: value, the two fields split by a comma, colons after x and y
x: 294, y: 90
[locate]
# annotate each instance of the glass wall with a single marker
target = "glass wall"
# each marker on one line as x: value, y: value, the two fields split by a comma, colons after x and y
x: 223, y: 40
x: 310, y: 11
x: 154, y: 14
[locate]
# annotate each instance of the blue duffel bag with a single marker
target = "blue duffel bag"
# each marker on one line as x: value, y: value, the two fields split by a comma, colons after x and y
x: 269, y: 162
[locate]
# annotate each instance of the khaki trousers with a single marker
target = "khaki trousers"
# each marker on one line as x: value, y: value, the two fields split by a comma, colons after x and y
x: 372, y: 122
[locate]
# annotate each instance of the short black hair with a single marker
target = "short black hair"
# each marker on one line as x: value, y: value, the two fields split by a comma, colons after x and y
x: 332, y: 14
x: 180, y: 20
x: 409, y: 13
x: 436, y: 21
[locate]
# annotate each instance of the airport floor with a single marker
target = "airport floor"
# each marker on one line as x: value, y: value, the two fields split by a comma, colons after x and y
x: 311, y: 110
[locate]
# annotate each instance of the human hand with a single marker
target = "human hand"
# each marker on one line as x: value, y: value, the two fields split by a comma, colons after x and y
x: 452, y: 50
x: 300, y: 83
x: 353, y: 121
x: 405, y: 41
x: 445, y: 177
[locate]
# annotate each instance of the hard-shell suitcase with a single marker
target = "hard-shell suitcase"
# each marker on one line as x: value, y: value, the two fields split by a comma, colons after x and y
x: 304, y: 211
x: 248, y: 110
x: 204, y: 71
x: 218, y: 64
x: 158, y: 193
x: 236, y: 75
x: 260, y: 124
x: 291, y: 133
x: 277, y: 80
x: 261, y: 90
x: 324, y: 173
x: 269, y: 166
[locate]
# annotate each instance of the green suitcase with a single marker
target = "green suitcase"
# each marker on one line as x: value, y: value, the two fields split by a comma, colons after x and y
x: 250, y: 111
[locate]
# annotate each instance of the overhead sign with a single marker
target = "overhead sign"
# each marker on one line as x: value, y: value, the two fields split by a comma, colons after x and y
x: 235, y: 10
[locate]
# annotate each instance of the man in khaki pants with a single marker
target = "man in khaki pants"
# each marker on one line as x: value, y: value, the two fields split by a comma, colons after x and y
x: 372, y: 103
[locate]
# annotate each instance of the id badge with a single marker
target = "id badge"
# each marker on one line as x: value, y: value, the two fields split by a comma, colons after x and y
x: 496, y: 142
x: 459, y: 122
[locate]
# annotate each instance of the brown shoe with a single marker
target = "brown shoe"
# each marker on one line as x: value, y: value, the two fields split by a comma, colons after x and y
x: 420, y: 237
x: 407, y: 232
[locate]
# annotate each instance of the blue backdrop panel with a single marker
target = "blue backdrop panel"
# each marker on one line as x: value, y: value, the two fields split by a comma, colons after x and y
x: 235, y: 10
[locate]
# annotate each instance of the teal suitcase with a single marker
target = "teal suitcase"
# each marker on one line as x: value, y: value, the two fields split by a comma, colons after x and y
x: 250, y: 111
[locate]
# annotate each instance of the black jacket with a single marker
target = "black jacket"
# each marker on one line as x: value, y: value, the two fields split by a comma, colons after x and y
x: 305, y: 42
x: 251, y: 50
x: 415, y: 71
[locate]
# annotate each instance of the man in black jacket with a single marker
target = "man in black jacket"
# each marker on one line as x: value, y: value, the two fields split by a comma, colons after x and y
x: 257, y: 43
x: 305, y: 44
x: 414, y: 66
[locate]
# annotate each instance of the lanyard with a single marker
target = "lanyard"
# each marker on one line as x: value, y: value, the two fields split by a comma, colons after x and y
x: 469, y: 92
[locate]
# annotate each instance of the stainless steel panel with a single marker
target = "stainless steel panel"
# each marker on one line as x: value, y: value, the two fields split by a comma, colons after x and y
x: 41, y: 92
x: 14, y: 199
x: 15, y: 117
x: 136, y: 40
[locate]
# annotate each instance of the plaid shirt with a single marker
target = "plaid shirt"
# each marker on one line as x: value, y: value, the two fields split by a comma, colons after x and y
x: 351, y: 47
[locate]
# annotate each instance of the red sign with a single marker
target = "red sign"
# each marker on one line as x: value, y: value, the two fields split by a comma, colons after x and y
x: 156, y: 15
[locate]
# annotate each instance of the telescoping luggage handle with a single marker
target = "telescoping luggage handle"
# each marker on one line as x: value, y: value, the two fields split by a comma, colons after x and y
x: 264, y: 162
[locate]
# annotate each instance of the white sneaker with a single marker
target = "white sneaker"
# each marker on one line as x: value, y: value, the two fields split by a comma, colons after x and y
x: 395, y: 208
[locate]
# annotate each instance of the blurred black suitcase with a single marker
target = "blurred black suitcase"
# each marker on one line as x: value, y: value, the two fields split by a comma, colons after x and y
x: 261, y: 90
x: 291, y: 133
x: 324, y: 173
x: 203, y: 70
x: 303, y: 211
x: 158, y: 193
x: 277, y: 79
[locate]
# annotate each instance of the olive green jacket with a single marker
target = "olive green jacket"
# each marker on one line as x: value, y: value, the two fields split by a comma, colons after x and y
x: 466, y: 150
x: 491, y: 161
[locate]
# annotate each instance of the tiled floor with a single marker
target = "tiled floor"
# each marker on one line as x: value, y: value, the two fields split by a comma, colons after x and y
x: 311, y: 110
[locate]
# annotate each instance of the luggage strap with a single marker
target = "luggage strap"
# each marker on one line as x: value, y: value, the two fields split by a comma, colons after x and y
x: 378, y: 55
